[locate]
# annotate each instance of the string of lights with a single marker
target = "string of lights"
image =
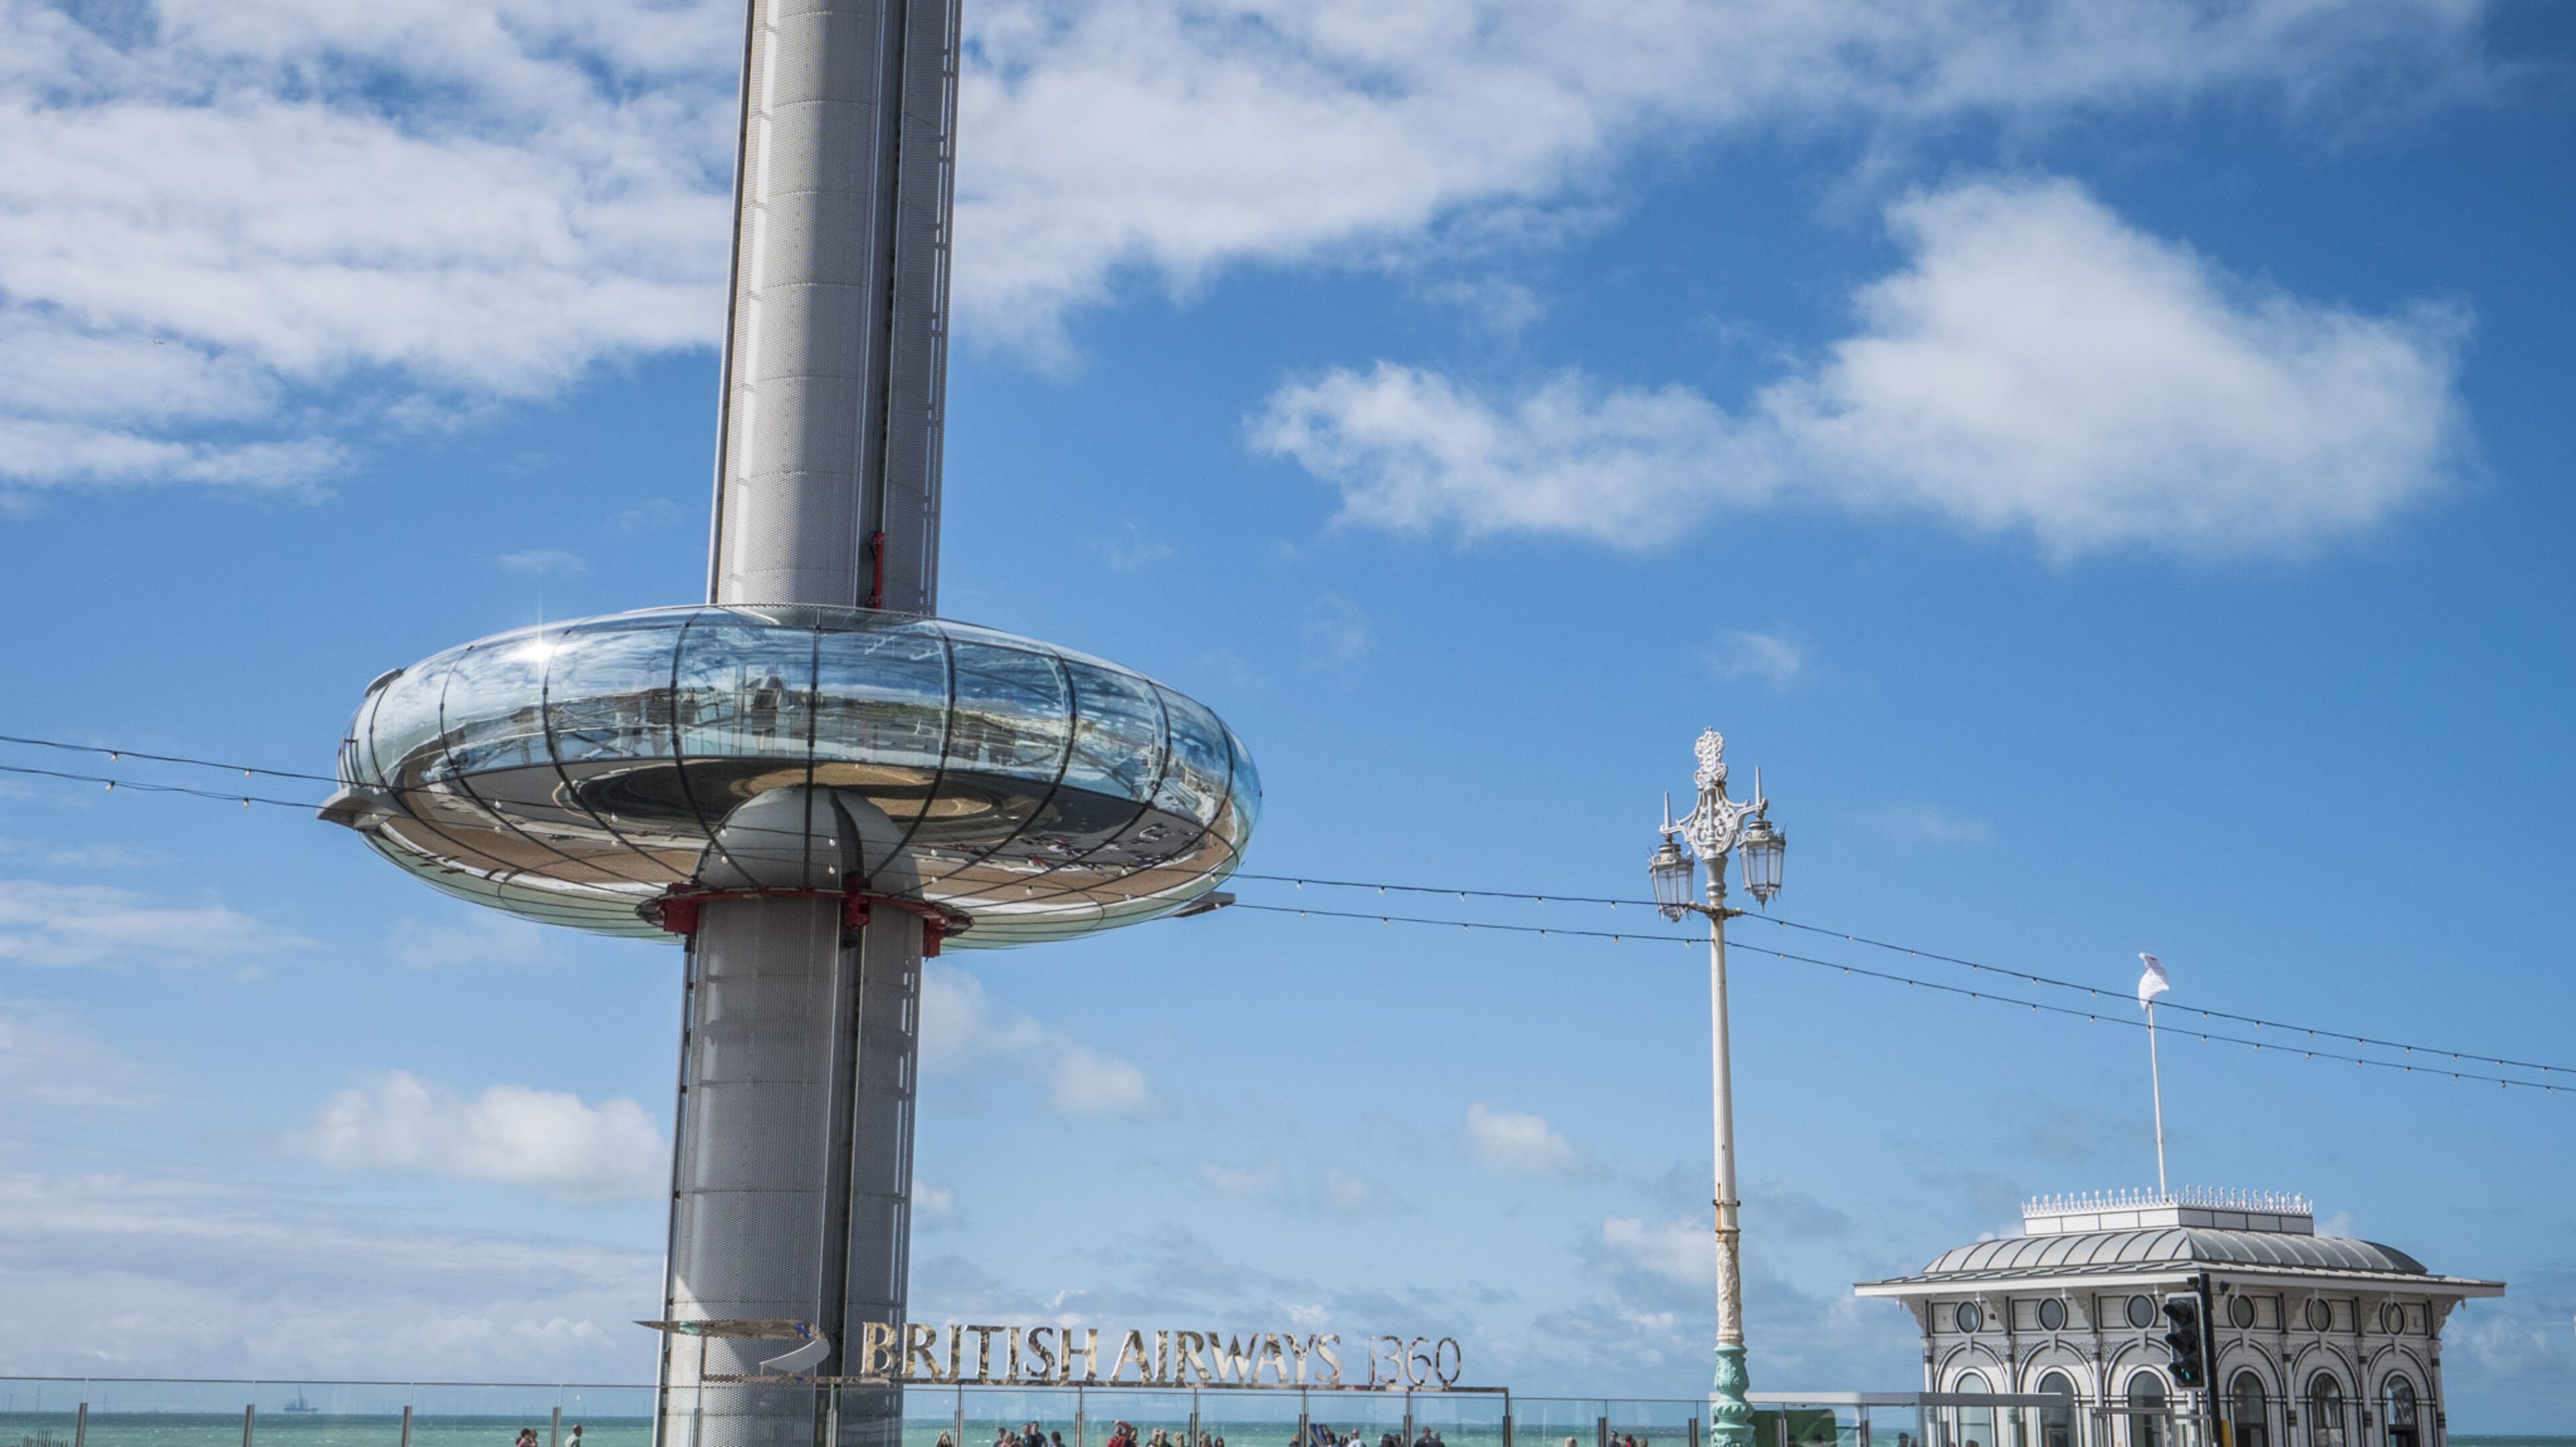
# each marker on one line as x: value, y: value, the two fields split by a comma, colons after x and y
x: 2035, y: 1006
x: 2166, y: 1003
x: 2408, y: 1051
x: 120, y: 755
x: 145, y: 786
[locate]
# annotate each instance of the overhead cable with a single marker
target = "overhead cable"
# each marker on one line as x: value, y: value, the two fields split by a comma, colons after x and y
x: 2168, y: 1003
x: 2035, y: 1006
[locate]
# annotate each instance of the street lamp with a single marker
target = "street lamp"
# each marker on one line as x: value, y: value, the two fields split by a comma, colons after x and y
x: 1717, y: 827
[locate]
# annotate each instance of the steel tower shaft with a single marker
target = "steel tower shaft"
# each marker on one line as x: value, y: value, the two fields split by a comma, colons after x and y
x: 828, y: 445
x: 793, y: 1159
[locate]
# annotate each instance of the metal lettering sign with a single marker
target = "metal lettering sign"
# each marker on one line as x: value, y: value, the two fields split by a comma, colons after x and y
x: 1068, y: 1356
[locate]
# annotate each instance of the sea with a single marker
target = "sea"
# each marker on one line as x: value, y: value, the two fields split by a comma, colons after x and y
x: 45, y: 1415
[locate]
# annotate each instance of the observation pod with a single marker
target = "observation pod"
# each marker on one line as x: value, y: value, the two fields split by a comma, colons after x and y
x: 608, y: 773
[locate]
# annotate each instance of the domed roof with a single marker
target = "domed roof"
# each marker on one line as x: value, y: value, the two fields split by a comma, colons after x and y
x: 2108, y: 1251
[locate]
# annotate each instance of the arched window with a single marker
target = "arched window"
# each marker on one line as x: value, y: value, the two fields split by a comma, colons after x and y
x: 1976, y: 1424
x: 2249, y: 1419
x: 2398, y: 1397
x: 2325, y: 1411
x: 2146, y: 1410
x: 2057, y: 1423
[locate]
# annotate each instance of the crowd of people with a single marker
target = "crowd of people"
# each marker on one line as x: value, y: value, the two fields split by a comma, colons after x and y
x: 1126, y: 1434
x: 1320, y: 1435
x: 1122, y: 1434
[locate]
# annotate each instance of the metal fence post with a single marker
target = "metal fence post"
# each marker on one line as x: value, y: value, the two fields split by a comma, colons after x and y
x: 80, y: 1427
x: 406, y: 1435
x: 1600, y: 1430
x: 554, y: 1429
x: 250, y: 1414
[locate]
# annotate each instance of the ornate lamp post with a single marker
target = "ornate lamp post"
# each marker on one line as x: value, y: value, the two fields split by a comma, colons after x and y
x: 1717, y: 827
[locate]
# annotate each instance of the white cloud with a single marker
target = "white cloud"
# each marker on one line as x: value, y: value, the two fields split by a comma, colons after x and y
x: 1674, y: 1250
x: 1263, y: 1178
x: 479, y: 938
x: 934, y: 1206
x: 1337, y: 630
x: 1176, y: 139
x: 511, y: 1134
x: 1745, y: 653
x: 2039, y: 367
x: 129, y: 1275
x: 961, y: 1033
x: 1133, y: 548
x: 99, y: 926
x: 544, y: 562
x: 236, y: 234
x: 105, y: 856
x: 48, y: 1061
x: 1412, y: 451
x: 1519, y: 1143
x: 219, y: 220
x: 2045, y: 367
x: 1082, y: 1081
x: 1347, y: 1194
x: 653, y: 515
x: 1331, y: 1189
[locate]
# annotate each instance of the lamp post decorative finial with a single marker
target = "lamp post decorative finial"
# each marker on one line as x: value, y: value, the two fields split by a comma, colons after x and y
x: 1711, y: 749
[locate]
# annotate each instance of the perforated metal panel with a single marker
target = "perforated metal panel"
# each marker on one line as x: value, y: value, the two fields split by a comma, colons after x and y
x: 793, y: 1174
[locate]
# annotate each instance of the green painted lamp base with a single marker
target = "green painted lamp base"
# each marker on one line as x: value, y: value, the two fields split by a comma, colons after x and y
x: 1730, y: 1417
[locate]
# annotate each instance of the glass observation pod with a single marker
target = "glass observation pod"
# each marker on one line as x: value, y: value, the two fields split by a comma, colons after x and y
x: 576, y: 773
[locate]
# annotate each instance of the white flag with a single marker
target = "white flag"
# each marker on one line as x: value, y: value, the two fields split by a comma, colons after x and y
x: 2155, y: 981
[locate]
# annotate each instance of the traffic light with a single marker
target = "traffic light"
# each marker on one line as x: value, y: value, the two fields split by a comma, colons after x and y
x: 2182, y: 1341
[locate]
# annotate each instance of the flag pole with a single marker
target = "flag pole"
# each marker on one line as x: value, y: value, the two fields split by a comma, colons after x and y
x: 2156, y: 1076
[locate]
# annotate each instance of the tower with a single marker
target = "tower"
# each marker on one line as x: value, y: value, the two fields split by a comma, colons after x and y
x: 801, y: 1027
x: 813, y: 781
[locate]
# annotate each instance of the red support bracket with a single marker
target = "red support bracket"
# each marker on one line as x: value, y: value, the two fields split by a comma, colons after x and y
x: 676, y: 910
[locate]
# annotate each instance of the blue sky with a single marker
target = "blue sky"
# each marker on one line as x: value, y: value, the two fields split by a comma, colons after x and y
x: 2105, y: 462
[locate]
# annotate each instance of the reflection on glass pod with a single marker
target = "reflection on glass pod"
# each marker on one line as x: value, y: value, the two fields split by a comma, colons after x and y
x: 573, y: 773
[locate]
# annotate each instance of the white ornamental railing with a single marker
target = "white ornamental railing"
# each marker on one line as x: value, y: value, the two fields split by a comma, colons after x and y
x: 2206, y: 1198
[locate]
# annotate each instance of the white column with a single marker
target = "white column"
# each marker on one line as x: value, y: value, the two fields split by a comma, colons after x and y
x: 1730, y: 1416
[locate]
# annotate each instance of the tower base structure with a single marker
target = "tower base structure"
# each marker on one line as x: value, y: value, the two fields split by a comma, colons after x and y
x: 1730, y: 1415
x: 792, y: 1168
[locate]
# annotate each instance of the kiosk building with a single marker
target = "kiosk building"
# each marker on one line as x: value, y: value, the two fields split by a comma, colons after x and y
x: 2316, y: 1341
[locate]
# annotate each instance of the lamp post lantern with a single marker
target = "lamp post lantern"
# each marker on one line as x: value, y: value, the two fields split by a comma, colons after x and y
x: 1717, y: 827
